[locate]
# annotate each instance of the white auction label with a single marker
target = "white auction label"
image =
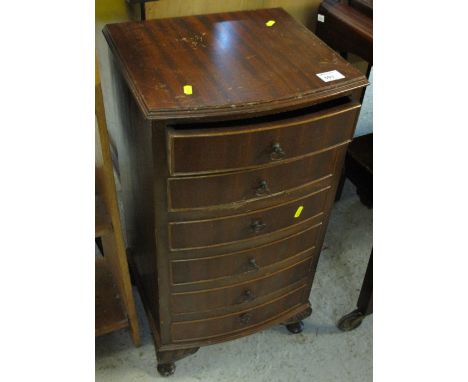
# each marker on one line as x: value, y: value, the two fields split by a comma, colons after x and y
x: 321, y: 18
x: 332, y: 75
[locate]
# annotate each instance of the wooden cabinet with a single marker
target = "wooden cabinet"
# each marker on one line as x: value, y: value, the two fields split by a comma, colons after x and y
x: 230, y: 149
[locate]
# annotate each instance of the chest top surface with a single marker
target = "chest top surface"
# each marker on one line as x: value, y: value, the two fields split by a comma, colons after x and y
x: 231, y: 63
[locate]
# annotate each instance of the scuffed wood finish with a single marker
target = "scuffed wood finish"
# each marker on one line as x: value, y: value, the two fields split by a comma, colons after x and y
x: 230, y: 71
x: 227, y: 191
x: 245, y: 187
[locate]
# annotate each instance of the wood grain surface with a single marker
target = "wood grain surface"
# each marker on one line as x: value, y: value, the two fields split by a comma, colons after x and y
x: 253, y: 143
x: 233, y: 61
x: 231, y: 229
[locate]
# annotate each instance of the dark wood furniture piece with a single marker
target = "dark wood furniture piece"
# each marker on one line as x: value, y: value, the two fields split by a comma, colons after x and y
x: 230, y: 149
x: 363, y: 6
x: 358, y: 168
x: 346, y: 26
x: 114, y: 303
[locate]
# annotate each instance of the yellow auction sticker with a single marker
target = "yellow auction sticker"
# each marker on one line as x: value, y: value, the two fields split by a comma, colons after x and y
x: 298, y: 211
x: 188, y: 89
x: 270, y: 23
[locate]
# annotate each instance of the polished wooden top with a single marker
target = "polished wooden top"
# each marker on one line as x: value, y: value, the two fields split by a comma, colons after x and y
x: 234, y: 63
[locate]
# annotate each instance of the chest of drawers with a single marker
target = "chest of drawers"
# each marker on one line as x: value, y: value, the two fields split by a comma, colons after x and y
x: 230, y: 149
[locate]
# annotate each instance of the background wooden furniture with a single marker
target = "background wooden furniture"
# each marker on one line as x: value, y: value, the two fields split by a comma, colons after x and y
x: 358, y: 168
x: 230, y: 154
x: 347, y: 27
x: 115, y: 307
x: 364, y: 305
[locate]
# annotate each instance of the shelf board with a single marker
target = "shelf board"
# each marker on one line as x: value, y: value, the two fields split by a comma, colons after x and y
x: 110, y: 315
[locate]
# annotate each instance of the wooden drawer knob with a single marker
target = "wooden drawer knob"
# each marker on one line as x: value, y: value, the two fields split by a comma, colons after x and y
x: 277, y: 152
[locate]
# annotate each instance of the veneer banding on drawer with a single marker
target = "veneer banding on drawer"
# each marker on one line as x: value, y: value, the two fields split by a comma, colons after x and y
x: 235, y: 228
x: 236, y: 188
x: 248, y: 291
x: 219, y: 149
x: 199, y: 315
x: 230, y: 266
x: 244, y: 245
x: 256, y: 204
x: 231, y: 323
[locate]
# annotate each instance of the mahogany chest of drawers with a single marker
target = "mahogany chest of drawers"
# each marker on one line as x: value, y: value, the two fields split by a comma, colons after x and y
x: 231, y: 133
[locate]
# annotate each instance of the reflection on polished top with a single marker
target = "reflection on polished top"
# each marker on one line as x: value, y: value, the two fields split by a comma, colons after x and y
x: 234, y: 63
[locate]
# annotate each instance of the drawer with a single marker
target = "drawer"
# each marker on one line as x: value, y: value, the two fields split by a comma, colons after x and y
x: 247, y: 262
x: 246, y: 292
x: 245, y: 186
x: 213, y: 327
x: 230, y: 229
x: 217, y: 147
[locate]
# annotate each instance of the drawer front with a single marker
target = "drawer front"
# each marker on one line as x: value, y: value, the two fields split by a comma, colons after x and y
x: 245, y: 186
x: 206, y: 150
x: 207, y: 328
x: 247, y: 292
x: 213, y: 232
x: 248, y: 262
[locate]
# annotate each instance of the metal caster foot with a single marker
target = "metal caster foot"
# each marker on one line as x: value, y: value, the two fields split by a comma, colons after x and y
x: 350, y: 321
